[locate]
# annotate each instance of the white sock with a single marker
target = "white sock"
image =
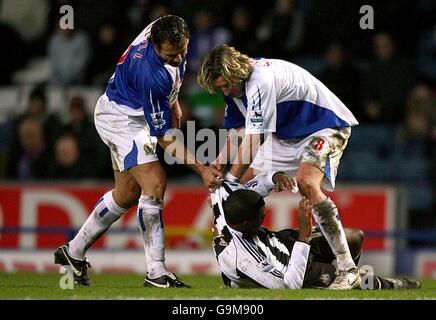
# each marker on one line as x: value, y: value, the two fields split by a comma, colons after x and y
x: 327, y: 216
x: 151, y: 226
x: 105, y: 213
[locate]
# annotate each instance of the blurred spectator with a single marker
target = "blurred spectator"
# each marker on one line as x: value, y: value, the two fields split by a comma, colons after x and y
x: 341, y: 77
x: 13, y: 54
x: 31, y: 157
x: 107, y: 49
x: 281, y: 33
x: 203, y: 106
x: 29, y: 18
x: 80, y: 125
x: 205, y: 35
x: 333, y: 20
x: 426, y: 57
x: 92, y: 150
x: 67, y: 163
x: 91, y: 14
x: 388, y: 82
x: 37, y: 110
x: 242, y: 30
x: 159, y: 10
x: 68, y: 53
x: 416, y: 140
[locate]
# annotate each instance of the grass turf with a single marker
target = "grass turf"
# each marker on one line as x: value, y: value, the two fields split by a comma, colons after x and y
x: 18, y: 286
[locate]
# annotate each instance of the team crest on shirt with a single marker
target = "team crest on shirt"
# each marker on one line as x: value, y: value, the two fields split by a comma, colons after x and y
x: 157, y: 120
x: 256, y: 118
x: 266, y: 266
x: 325, y: 279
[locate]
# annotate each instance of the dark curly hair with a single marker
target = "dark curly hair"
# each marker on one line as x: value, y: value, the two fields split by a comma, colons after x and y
x: 242, y: 205
x: 171, y: 28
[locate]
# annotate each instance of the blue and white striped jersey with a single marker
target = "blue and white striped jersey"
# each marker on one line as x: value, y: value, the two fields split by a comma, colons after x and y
x: 283, y: 98
x: 144, y: 84
x: 256, y: 260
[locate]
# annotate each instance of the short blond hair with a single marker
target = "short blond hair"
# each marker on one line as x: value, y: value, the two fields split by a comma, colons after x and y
x: 227, y: 62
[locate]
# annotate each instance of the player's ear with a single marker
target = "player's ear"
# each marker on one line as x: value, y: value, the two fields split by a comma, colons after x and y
x: 247, y: 226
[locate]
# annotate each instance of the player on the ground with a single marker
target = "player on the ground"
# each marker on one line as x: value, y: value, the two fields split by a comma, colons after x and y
x: 136, y: 111
x: 305, y: 127
x: 251, y: 256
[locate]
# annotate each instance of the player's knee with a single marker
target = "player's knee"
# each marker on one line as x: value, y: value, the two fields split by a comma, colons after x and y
x: 154, y: 182
x: 155, y: 187
x: 307, y: 186
x: 355, y: 240
x: 128, y: 197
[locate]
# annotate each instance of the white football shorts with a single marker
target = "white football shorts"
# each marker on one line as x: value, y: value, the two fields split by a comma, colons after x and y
x: 323, y: 149
x: 127, y: 135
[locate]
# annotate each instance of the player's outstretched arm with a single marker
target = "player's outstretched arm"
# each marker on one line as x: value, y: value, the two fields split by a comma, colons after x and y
x: 212, y: 177
x: 246, y: 153
x: 230, y: 150
x: 177, y: 114
x: 304, y: 220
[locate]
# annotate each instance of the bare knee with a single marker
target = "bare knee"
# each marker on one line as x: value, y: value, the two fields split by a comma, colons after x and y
x: 310, y: 189
x: 151, y: 177
x: 155, y: 188
x: 127, y: 196
x: 355, y: 240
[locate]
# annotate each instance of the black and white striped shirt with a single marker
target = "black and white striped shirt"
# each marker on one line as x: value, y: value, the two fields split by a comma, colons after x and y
x: 260, y: 259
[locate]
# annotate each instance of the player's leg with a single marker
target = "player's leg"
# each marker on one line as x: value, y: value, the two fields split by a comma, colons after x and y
x: 326, y: 214
x: 395, y: 284
x: 355, y: 239
x: 384, y: 283
x: 320, y: 161
x: 152, y: 179
x: 108, y: 209
x: 112, y: 205
x: 322, y: 252
x: 319, y: 275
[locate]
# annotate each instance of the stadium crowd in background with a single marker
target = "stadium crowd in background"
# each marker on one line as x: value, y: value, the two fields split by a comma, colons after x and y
x: 386, y: 77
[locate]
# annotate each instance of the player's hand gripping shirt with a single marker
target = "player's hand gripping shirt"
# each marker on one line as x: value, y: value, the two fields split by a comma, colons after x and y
x: 283, y: 98
x: 144, y: 84
x: 260, y: 259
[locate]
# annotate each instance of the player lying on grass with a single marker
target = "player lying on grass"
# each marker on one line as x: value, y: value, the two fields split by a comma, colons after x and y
x: 251, y: 256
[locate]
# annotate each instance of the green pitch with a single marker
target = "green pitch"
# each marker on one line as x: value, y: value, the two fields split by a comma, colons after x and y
x: 129, y: 286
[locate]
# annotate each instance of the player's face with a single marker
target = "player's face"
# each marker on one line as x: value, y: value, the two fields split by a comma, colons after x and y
x: 171, y: 55
x: 233, y: 90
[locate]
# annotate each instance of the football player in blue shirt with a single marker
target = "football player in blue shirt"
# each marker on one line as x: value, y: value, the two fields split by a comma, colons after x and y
x: 305, y: 127
x: 137, y: 111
